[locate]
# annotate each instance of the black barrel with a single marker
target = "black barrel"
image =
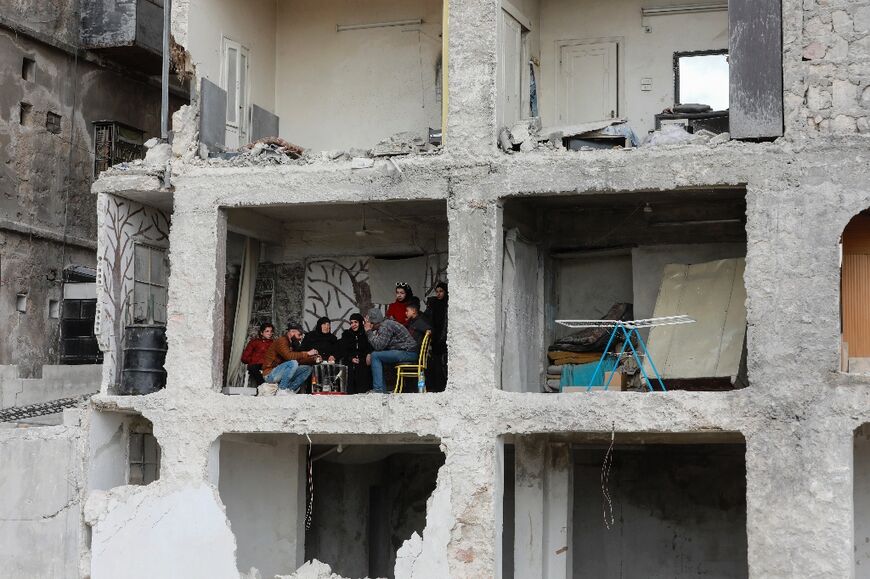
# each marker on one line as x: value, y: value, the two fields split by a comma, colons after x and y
x: 144, y: 356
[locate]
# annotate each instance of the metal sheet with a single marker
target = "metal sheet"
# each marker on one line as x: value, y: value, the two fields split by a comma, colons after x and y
x: 755, y: 57
x: 263, y: 123
x: 212, y: 116
x: 712, y: 293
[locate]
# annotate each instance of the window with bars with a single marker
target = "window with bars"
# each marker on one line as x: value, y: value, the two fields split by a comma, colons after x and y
x: 144, y: 458
x: 149, y: 285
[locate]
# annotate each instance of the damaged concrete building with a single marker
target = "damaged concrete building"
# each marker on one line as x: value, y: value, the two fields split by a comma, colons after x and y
x: 574, y: 174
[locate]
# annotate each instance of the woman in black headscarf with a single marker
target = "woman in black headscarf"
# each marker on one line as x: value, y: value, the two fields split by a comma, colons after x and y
x: 436, y: 311
x: 355, y: 350
x: 323, y: 340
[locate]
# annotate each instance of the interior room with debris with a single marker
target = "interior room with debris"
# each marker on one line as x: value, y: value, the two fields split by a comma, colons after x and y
x: 285, y: 80
x: 596, y: 74
x: 573, y: 265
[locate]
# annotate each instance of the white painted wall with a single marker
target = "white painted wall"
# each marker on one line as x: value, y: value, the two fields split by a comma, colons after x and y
x: 108, y: 450
x: 337, y: 90
x: 262, y: 485
x: 251, y: 23
x: 174, y: 532
x: 644, y: 54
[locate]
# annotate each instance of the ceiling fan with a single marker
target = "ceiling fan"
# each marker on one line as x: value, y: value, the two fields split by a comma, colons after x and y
x: 363, y: 231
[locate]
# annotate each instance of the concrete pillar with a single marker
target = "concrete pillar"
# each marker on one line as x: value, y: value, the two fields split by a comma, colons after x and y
x: 475, y: 467
x: 544, y: 504
x: 194, y: 326
x: 475, y: 293
x: 812, y: 491
x: 472, y: 41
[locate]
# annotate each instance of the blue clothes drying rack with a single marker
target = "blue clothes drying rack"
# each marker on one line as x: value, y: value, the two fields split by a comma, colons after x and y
x: 628, y: 330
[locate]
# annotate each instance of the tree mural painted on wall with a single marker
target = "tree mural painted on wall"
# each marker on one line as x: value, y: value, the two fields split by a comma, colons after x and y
x: 124, y: 223
x: 336, y: 288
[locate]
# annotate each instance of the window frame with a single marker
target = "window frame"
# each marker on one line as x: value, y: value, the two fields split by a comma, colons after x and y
x: 690, y: 53
x: 150, y: 316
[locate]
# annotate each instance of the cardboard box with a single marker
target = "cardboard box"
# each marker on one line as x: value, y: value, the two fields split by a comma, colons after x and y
x: 617, y: 383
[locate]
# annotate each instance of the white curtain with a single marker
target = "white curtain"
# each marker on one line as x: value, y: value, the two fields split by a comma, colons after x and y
x: 522, y: 316
x: 247, y: 281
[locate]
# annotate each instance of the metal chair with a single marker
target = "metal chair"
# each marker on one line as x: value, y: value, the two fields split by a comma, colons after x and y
x: 414, y: 370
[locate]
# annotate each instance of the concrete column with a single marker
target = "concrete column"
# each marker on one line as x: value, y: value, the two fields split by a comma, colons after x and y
x: 475, y: 293
x: 558, y: 512
x: 475, y: 467
x: 529, y: 506
x: 544, y: 503
x: 194, y: 326
x: 808, y: 508
x: 472, y: 41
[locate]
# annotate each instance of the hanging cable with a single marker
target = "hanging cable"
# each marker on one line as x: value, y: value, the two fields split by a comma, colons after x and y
x: 607, y: 503
x: 309, y: 508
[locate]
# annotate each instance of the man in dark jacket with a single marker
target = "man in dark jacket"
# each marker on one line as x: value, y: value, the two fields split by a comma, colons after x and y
x: 286, y: 364
x: 392, y: 344
x: 417, y: 325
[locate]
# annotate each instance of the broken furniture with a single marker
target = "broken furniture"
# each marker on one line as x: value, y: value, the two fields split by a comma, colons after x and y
x: 709, y: 354
x: 627, y: 330
x: 414, y: 370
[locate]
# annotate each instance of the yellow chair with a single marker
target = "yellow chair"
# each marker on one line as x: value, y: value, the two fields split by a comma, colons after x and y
x: 414, y: 370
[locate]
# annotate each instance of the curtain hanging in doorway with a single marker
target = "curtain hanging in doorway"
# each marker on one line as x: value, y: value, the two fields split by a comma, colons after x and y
x: 247, y: 281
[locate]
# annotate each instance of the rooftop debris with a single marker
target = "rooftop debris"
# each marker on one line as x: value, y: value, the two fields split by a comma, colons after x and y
x: 274, y: 145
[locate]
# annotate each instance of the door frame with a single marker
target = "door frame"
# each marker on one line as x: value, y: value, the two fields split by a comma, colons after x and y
x: 242, y: 124
x: 620, y: 69
x: 525, y: 78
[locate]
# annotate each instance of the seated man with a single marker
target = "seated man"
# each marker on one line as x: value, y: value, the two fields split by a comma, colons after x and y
x: 286, y: 364
x: 391, y: 344
x: 417, y: 325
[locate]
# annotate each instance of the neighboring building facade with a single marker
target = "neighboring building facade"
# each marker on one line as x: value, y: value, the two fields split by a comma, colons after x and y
x: 57, y: 97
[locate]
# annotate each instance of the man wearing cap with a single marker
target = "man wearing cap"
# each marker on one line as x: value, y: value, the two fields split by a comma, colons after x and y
x: 286, y: 364
x: 392, y: 344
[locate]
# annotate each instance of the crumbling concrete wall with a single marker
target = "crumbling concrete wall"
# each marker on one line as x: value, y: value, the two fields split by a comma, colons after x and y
x: 797, y: 415
x: 836, y: 55
x: 41, y: 483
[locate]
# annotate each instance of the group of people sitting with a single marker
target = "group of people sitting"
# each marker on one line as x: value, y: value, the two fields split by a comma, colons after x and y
x: 369, y: 347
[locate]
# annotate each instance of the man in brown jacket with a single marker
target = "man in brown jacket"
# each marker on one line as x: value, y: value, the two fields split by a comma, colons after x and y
x: 285, y: 364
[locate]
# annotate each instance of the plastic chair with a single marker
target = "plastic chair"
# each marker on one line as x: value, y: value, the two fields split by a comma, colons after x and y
x: 414, y: 370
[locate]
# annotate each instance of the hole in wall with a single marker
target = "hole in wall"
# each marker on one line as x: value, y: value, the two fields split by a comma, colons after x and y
x: 25, y: 114
x: 54, y: 309
x: 123, y: 450
x: 52, y: 123
x: 28, y: 69
x: 368, y: 499
x: 21, y: 303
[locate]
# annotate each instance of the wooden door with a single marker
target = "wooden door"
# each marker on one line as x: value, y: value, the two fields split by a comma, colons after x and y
x: 855, y: 286
x: 587, y: 82
x: 510, y: 70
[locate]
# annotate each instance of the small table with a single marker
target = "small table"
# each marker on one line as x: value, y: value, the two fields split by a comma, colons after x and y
x: 329, y: 379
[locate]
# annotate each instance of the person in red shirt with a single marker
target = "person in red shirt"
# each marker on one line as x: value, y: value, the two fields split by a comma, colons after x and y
x: 255, y: 351
x: 396, y: 310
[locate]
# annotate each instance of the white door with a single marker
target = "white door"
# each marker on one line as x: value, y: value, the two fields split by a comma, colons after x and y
x: 510, y: 71
x: 587, y: 82
x: 235, y: 82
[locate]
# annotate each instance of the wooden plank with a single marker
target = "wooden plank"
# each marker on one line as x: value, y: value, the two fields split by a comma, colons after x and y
x: 755, y: 57
x: 668, y: 300
x: 856, y: 305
